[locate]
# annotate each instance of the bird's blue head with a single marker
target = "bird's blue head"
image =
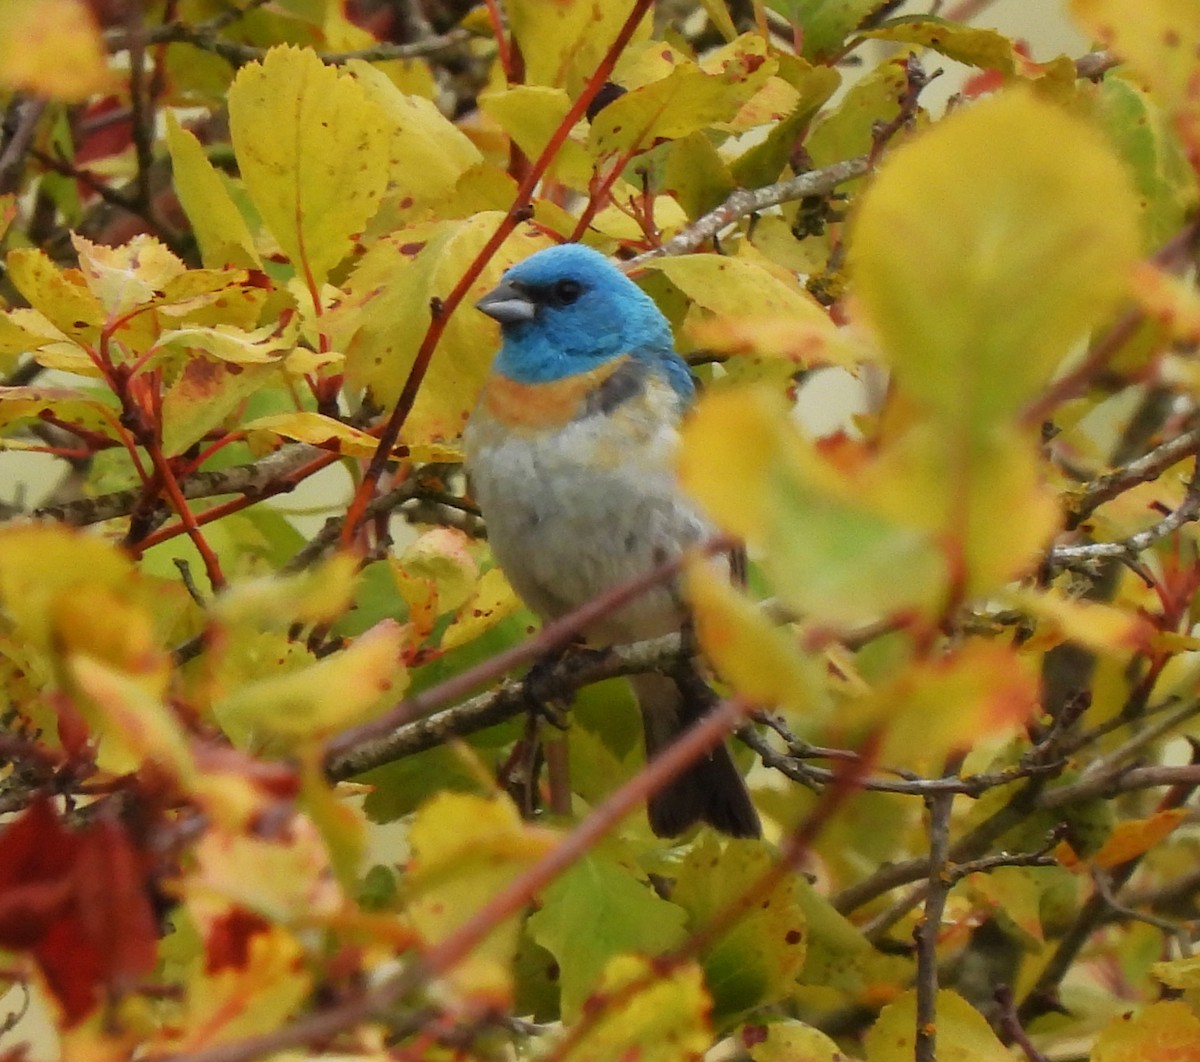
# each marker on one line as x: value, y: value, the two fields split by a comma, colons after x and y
x: 568, y: 309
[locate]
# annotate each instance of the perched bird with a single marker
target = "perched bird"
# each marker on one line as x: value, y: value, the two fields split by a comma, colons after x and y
x: 570, y: 455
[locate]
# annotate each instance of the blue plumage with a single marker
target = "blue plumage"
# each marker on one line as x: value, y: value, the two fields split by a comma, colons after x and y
x: 571, y: 453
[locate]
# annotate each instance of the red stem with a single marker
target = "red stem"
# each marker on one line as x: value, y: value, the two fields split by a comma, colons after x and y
x: 391, y: 431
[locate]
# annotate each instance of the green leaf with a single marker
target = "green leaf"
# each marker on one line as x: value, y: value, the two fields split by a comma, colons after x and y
x: 598, y: 910
x: 971, y: 45
x: 825, y: 23
x: 1039, y: 250
x: 688, y: 99
x: 754, y: 961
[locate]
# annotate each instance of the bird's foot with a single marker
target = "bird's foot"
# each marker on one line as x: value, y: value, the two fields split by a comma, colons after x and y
x: 551, y: 682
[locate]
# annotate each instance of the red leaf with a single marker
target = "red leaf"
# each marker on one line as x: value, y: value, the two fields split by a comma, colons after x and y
x: 229, y: 940
x: 79, y: 901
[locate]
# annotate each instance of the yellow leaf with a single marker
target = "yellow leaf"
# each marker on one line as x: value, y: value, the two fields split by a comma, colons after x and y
x: 740, y: 294
x: 562, y: 43
x: 790, y: 1041
x: 754, y: 656
x: 42, y: 567
x: 61, y: 295
x: 395, y: 281
x: 466, y: 849
x: 491, y: 601
x: 435, y: 575
x: 1131, y: 838
x: 132, y: 723
x: 1160, y: 40
x: 978, y: 288
x: 686, y: 100
x: 1183, y: 974
x: 531, y: 114
x: 320, y: 594
x: 313, y: 153
x: 53, y: 48
x: 1161, y: 1032
x: 204, y: 396
x: 263, y: 346
x: 126, y: 276
x: 972, y: 45
x: 427, y: 153
x: 216, y: 221
x: 331, y: 694
x: 284, y: 877
x: 237, y: 1001
x: 963, y: 1034
x: 647, y: 1013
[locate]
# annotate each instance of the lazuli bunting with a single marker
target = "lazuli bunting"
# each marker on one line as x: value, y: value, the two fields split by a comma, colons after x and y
x: 570, y: 454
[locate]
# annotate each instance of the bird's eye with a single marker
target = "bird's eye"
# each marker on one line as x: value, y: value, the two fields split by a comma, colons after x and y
x: 567, y: 292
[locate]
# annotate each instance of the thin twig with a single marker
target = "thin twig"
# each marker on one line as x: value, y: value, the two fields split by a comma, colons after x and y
x: 929, y: 929
x: 746, y: 201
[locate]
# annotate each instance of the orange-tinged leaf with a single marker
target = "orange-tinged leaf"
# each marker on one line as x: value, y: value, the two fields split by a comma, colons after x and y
x: 284, y: 878
x: 978, y: 288
x: 53, y: 48
x: 963, y: 1034
x: 743, y: 291
x: 753, y: 655
x: 1161, y: 1032
x: 333, y: 693
x: 217, y: 223
x: 465, y: 850
x: 1169, y: 300
x: 329, y: 434
x: 1160, y: 40
x: 435, y: 575
x: 205, y: 395
x: 313, y: 153
x: 1131, y: 838
x: 665, y: 1018
x: 946, y: 704
x: 1099, y: 627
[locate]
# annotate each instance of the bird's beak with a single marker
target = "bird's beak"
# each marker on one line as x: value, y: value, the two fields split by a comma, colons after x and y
x: 508, y: 303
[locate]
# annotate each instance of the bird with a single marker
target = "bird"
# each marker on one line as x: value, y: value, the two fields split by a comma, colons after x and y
x: 569, y: 453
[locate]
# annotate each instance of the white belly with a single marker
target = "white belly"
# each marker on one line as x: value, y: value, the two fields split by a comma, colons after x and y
x: 575, y: 512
